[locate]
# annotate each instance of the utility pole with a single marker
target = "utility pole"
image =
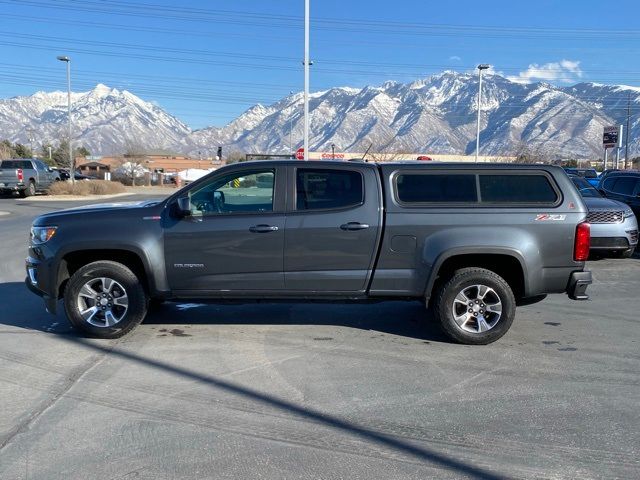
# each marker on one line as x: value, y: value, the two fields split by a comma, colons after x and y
x: 481, y: 67
x: 291, y: 130
x: 619, y: 146
x: 626, y: 137
x: 306, y: 80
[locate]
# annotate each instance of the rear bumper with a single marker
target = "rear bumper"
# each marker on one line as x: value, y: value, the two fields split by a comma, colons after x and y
x: 13, y: 188
x: 578, y: 283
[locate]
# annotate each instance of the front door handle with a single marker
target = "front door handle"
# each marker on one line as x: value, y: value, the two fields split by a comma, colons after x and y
x: 354, y: 226
x: 263, y: 229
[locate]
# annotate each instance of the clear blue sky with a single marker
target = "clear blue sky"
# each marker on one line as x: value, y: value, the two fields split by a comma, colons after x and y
x: 208, y: 61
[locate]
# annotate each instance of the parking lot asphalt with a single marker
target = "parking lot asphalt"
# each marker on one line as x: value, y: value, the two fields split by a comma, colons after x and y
x: 318, y: 390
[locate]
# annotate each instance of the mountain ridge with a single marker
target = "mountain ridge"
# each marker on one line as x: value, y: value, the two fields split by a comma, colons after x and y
x: 435, y: 114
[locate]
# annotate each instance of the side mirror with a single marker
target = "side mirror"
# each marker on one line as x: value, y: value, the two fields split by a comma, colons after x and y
x: 183, y: 206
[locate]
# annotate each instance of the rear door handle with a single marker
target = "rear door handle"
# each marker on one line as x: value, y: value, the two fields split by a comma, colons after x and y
x: 263, y: 229
x: 354, y: 226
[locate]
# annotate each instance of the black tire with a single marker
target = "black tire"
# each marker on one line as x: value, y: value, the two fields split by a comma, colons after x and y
x: 136, y: 296
x: 30, y: 190
x: 467, y: 278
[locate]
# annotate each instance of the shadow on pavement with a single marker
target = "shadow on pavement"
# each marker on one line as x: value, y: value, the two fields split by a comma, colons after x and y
x: 21, y: 308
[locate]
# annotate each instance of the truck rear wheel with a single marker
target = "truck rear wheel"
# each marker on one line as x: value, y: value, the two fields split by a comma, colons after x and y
x: 475, y: 306
x: 30, y: 190
x: 104, y: 299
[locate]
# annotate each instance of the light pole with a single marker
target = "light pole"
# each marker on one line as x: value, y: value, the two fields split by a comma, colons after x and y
x: 30, y: 134
x: 67, y: 60
x: 306, y: 80
x: 481, y: 67
x: 333, y: 151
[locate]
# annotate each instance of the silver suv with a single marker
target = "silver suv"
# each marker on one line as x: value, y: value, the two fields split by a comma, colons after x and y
x: 614, y: 228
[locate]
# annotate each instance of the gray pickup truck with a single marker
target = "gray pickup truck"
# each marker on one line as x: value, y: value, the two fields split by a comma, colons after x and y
x: 25, y: 176
x: 467, y: 240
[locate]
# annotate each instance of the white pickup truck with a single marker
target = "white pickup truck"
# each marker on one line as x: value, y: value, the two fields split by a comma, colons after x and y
x: 26, y: 176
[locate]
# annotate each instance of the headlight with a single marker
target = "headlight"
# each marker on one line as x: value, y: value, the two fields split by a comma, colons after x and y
x: 627, y: 213
x: 40, y: 235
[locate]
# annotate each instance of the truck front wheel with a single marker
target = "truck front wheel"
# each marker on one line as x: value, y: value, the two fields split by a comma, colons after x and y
x: 104, y: 299
x: 475, y: 306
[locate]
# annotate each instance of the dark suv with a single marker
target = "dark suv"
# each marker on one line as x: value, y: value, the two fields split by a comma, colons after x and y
x: 623, y: 186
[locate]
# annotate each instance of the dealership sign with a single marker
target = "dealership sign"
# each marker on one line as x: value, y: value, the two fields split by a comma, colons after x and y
x: 610, y: 137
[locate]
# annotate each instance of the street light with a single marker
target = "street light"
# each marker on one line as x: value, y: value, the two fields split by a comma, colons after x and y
x: 333, y: 151
x: 306, y: 80
x: 481, y: 67
x: 67, y: 60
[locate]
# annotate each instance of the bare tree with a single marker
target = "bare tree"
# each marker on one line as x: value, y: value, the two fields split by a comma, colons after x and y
x: 386, y: 150
x: 532, y: 153
x: 235, y: 156
x: 134, y: 162
x: 6, y: 150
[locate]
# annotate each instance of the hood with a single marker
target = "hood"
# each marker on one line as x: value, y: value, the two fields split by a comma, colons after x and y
x: 595, y: 203
x: 99, y: 207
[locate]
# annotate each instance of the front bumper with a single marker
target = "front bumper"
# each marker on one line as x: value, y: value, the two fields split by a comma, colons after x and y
x: 615, y: 236
x: 578, y: 283
x: 33, y: 284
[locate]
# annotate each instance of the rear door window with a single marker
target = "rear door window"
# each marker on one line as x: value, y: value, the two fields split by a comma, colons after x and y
x: 436, y: 188
x: 328, y: 189
x: 517, y: 189
x: 623, y: 185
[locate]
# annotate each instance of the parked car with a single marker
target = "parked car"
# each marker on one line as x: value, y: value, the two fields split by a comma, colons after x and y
x: 589, y: 174
x: 614, y: 227
x: 623, y: 186
x: 467, y: 240
x: 64, y: 175
x: 26, y: 176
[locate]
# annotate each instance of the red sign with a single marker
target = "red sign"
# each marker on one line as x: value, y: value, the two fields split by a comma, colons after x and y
x: 300, y: 154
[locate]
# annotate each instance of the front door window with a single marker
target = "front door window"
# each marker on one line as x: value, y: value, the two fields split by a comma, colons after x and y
x: 247, y: 192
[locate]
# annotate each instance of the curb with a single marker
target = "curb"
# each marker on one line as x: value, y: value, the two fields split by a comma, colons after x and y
x: 73, y: 198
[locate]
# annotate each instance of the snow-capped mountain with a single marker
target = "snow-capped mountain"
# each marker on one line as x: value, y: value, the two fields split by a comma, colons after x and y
x: 105, y: 120
x: 438, y: 115
x: 433, y: 115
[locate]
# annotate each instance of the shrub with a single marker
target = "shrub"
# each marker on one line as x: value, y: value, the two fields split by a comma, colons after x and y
x: 84, y: 188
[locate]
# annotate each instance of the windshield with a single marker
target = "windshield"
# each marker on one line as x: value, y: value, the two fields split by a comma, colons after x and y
x: 585, y: 188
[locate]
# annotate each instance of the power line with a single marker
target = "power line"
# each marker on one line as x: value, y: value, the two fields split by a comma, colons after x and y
x: 203, y: 14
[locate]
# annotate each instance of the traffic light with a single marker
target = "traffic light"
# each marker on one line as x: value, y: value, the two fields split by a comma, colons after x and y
x: 219, y: 154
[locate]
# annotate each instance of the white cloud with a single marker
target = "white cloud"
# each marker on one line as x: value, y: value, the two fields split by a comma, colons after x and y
x: 564, y: 71
x: 455, y: 58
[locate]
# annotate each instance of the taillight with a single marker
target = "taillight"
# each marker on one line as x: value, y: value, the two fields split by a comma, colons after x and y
x: 583, y: 242
x: 20, y: 175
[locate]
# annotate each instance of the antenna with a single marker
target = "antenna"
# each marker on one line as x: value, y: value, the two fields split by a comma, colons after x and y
x: 365, y: 153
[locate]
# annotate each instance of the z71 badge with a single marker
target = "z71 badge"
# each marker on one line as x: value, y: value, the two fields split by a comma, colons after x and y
x: 548, y: 217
